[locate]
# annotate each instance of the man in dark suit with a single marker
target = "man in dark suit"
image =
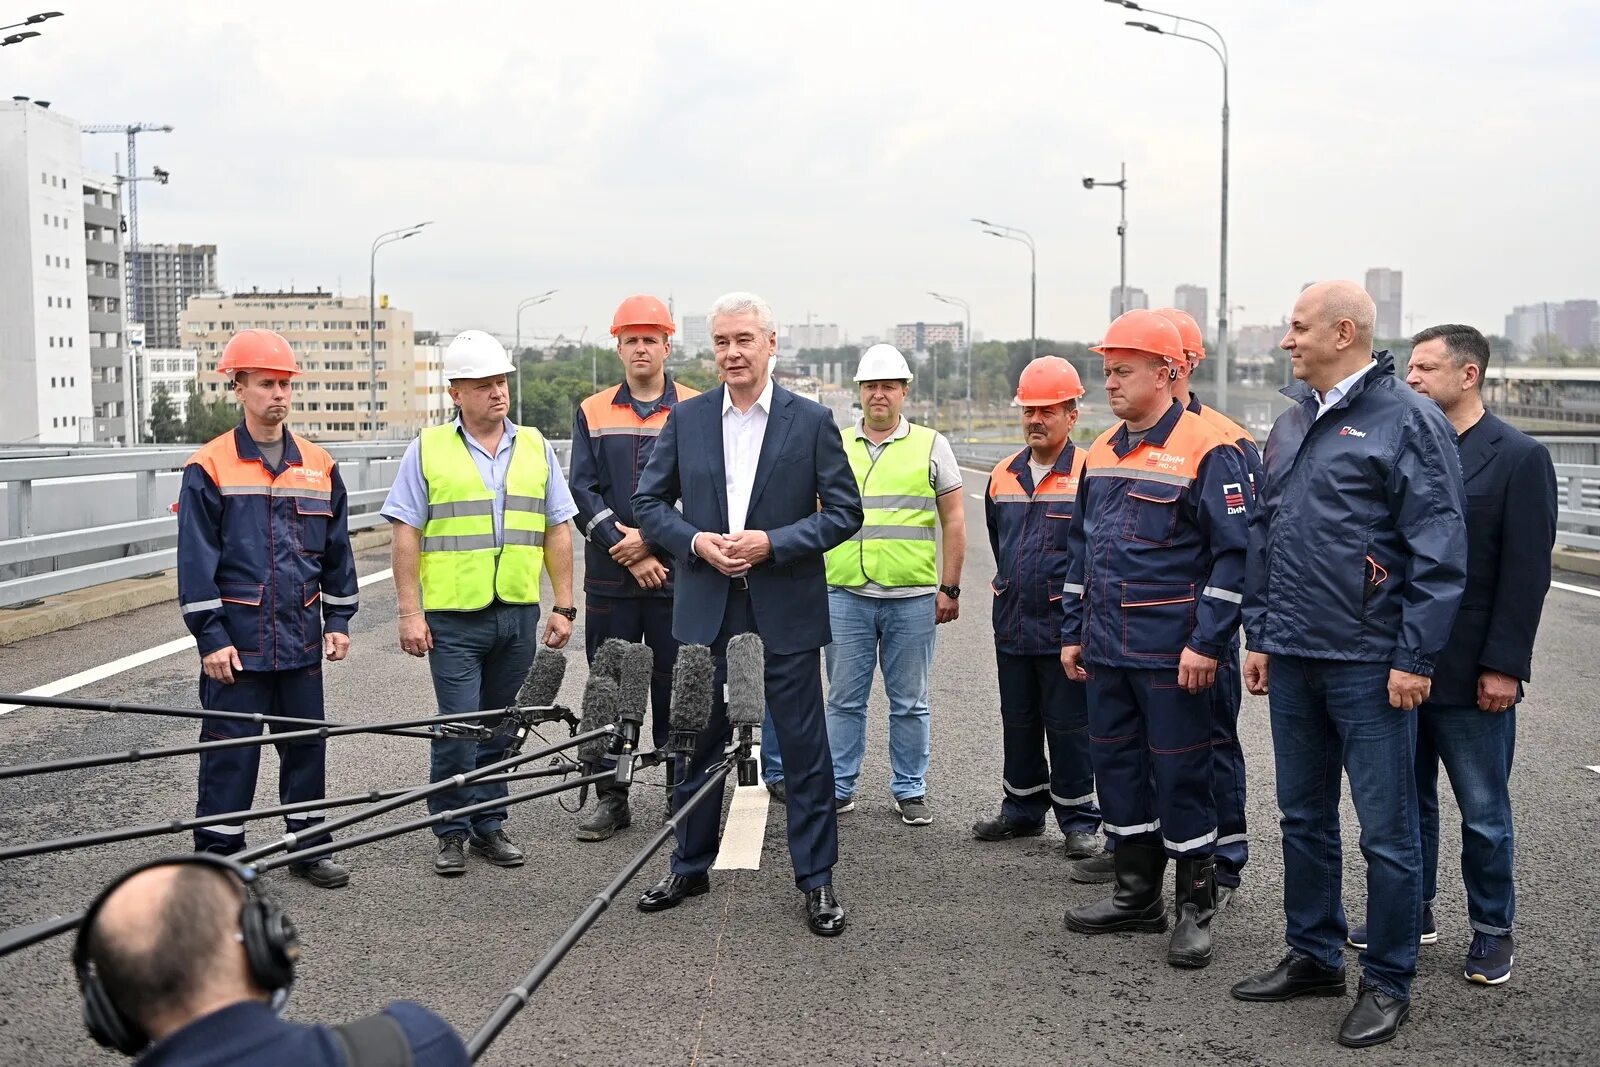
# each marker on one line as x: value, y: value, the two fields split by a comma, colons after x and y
x: 765, y: 489
x: 1469, y: 719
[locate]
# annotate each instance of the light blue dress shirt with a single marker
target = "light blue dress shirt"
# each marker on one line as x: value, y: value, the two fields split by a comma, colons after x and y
x: 408, y: 497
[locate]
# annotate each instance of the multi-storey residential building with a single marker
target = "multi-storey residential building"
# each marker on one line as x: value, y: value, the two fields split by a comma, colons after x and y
x: 329, y: 335
x: 169, y: 275
x: 1194, y: 300
x: 921, y: 336
x: 1137, y: 298
x: 695, y: 337
x: 45, y: 351
x: 111, y: 388
x: 814, y: 335
x: 1383, y: 285
x: 165, y: 370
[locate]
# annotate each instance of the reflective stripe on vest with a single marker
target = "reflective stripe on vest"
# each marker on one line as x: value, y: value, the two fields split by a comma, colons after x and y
x: 895, y: 546
x: 462, y: 567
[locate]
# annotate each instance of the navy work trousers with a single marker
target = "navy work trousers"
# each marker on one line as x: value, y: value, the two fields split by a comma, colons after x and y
x: 1041, y: 711
x: 794, y: 702
x: 479, y: 661
x: 1227, y: 769
x: 1151, y: 746
x: 647, y: 619
x: 228, y: 776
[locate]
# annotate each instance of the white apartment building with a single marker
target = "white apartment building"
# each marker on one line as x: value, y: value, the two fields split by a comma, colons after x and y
x: 169, y: 370
x: 329, y: 335
x: 44, y: 296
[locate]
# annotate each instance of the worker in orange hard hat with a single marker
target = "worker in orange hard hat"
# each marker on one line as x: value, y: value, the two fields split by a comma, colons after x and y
x: 627, y: 581
x: 1043, y: 714
x: 1228, y: 782
x: 267, y: 585
x: 1162, y: 514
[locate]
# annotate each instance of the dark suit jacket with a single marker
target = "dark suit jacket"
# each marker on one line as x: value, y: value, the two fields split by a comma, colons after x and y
x: 1511, y: 529
x: 804, y: 496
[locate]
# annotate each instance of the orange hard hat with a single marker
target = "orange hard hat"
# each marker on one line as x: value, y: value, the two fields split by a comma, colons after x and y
x: 1048, y: 380
x: 642, y: 310
x: 257, y: 350
x: 1143, y: 331
x: 1194, y: 344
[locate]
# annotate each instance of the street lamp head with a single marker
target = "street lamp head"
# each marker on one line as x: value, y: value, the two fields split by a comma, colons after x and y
x: 1147, y: 26
x: 43, y: 16
x: 1129, y: 4
x: 18, y: 37
x: 983, y: 222
x: 994, y: 233
x: 1088, y: 182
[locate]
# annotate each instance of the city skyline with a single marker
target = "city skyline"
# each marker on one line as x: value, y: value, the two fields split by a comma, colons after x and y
x: 340, y: 149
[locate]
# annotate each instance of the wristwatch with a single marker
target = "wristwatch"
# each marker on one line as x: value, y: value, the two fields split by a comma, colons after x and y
x: 951, y: 591
x: 571, y: 614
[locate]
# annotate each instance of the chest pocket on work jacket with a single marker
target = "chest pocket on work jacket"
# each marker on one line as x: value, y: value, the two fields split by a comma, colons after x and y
x: 1058, y: 517
x: 1152, y: 512
x: 311, y: 519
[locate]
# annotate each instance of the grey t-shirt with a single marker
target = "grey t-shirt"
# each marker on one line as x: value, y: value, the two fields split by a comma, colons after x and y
x: 944, y: 475
x: 272, y: 452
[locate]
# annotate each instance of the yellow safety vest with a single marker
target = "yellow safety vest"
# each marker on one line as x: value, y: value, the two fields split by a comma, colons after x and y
x: 895, y: 546
x: 462, y: 567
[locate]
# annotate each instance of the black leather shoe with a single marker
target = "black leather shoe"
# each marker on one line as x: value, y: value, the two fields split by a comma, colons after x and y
x: 1080, y: 846
x: 778, y: 791
x: 496, y: 847
x: 671, y: 891
x: 1376, y: 1018
x: 1294, y: 976
x: 450, y: 860
x: 824, y: 913
x: 998, y: 829
x: 322, y: 873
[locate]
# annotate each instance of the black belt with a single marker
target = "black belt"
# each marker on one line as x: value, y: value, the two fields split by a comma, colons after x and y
x: 740, y: 582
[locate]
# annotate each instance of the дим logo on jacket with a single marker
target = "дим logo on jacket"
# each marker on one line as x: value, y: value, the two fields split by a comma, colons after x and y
x: 1351, y: 431
x: 1233, y: 496
x: 1167, y: 461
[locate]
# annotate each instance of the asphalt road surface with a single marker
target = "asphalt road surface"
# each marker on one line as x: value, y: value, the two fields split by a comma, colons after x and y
x: 955, y: 953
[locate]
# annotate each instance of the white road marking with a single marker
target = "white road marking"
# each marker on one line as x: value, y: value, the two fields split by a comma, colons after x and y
x: 1594, y: 769
x: 1566, y: 588
x: 746, y: 831
x: 137, y: 659
x: 976, y: 496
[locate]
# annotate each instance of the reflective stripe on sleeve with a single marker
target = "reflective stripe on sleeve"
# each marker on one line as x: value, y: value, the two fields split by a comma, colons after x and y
x: 202, y: 605
x: 1223, y: 594
x: 341, y: 601
x: 597, y: 520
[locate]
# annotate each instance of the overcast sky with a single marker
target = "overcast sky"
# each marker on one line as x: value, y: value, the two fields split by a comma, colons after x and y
x: 829, y: 154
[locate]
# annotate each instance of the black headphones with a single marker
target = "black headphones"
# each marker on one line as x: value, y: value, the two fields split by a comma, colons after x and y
x: 271, y: 947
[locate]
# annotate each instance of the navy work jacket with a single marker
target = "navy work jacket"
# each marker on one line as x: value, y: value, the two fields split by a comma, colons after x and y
x: 1028, y: 535
x: 1358, y: 545
x: 250, y: 1034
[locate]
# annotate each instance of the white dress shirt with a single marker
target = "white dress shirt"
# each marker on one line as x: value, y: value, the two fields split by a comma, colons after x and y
x: 742, y: 435
x: 1337, y: 393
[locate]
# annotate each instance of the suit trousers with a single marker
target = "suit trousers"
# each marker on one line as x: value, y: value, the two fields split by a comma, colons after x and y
x: 794, y: 701
x: 228, y: 776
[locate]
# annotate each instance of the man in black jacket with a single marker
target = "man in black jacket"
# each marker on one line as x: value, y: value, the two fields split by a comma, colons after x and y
x: 1469, y: 721
x: 1356, y: 568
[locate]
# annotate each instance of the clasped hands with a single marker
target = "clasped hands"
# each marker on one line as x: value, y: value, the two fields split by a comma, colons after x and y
x: 633, y: 552
x: 733, y: 554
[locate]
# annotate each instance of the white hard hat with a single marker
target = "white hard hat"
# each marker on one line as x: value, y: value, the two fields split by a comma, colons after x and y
x: 883, y: 363
x: 474, y: 354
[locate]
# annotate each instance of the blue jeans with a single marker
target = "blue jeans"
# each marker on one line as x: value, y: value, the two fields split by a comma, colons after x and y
x: 771, y: 755
x: 899, y: 632
x: 1476, y: 748
x: 478, y: 662
x: 1328, y: 716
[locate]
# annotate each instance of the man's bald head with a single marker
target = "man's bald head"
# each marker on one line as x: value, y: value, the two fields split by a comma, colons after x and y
x: 164, y: 945
x: 1338, y: 301
x: 1330, y: 333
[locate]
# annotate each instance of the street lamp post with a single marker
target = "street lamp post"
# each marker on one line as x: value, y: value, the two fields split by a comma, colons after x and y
x: 516, y: 350
x: 1121, y: 185
x: 372, y: 317
x: 1222, y: 280
x: 958, y: 302
x: 1011, y: 233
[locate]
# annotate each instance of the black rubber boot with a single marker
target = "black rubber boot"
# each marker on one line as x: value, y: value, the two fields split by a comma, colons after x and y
x: 1195, y: 904
x: 611, y: 814
x: 1136, y: 902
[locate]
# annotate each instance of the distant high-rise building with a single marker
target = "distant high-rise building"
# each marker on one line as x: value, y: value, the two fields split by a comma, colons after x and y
x: 329, y: 336
x: 1576, y: 323
x: 1383, y: 285
x: 1567, y: 323
x: 814, y: 335
x: 1137, y: 298
x: 164, y: 370
x: 110, y: 390
x: 911, y: 337
x: 170, y: 275
x: 1192, y: 298
x: 45, y: 350
x: 1257, y: 340
x: 695, y: 338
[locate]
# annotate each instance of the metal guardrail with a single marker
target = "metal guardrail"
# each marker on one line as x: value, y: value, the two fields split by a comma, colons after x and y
x: 74, y: 521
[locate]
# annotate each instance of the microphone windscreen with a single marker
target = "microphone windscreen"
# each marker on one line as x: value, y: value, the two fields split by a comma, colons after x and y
x: 747, y: 687
x: 599, y: 710
x: 543, y: 683
x: 633, y: 688
x: 692, y: 677
x: 608, y: 658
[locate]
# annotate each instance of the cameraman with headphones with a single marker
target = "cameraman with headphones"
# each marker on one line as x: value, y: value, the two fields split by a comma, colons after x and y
x: 181, y: 964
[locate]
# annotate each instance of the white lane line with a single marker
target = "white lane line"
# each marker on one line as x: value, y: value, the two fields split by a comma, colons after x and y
x: 1594, y: 769
x: 1566, y: 588
x: 137, y: 659
x: 976, y: 496
x: 746, y: 831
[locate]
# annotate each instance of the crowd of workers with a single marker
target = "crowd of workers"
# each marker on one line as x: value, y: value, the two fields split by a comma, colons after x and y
x: 1386, y: 556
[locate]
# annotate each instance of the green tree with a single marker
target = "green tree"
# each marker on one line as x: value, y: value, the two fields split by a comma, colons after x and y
x: 207, y: 419
x: 165, y: 426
